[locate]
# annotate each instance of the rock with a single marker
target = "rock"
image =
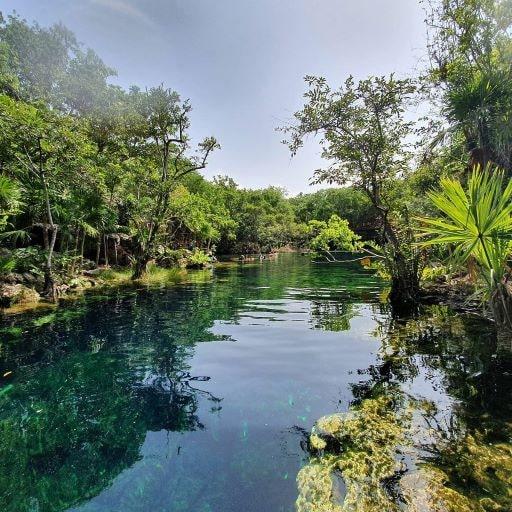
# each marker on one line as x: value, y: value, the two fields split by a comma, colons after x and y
x: 80, y: 282
x: 330, y: 426
x: 11, y: 294
x: 425, y: 490
x: 29, y: 278
x: 92, y: 272
x: 88, y: 264
x: 8, y: 278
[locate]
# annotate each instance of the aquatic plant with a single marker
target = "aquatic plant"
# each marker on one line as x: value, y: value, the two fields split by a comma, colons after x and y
x: 364, y: 443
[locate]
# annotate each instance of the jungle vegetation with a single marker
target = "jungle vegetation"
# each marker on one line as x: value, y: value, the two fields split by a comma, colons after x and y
x: 95, y: 174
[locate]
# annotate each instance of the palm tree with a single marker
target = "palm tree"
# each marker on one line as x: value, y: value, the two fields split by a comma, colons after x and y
x: 477, y: 223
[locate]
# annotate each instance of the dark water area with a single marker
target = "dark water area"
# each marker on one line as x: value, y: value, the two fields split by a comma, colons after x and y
x: 200, y: 397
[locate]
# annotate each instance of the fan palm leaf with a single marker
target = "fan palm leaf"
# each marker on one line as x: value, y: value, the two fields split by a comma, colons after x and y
x: 476, y: 222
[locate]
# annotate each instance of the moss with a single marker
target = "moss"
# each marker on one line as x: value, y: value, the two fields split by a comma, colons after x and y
x: 317, y: 443
x: 316, y: 487
x: 425, y: 490
x: 368, y: 438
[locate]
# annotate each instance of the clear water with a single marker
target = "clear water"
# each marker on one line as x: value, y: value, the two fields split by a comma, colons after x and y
x: 200, y: 397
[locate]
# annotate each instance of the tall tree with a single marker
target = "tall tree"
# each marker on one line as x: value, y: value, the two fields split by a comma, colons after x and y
x: 364, y: 136
x: 470, y: 49
x: 157, y: 135
x: 46, y: 151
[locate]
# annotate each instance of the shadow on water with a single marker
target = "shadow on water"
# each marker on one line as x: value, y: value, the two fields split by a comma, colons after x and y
x: 201, y: 397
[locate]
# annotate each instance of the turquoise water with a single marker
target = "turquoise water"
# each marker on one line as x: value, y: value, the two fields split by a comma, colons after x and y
x: 200, y: 397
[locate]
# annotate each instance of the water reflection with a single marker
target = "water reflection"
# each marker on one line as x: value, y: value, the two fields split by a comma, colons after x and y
x: 200, y: 397
x: 454, y: 452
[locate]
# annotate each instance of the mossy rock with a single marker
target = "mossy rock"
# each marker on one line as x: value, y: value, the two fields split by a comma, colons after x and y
x: 12, y: 294
x: 317, y: 492
x: 361, y: 446
x: 425, y: 490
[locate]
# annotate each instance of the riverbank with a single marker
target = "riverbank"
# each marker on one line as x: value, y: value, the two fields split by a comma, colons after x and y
x: 28, y: 299
x: 21, y: 292
x: 459, y: 295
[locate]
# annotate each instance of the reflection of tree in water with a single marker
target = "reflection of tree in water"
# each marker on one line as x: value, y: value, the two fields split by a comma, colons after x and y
x: 457, y: 459
x: 332, y: 316
x: 472, y: 443
x: 71, y: 422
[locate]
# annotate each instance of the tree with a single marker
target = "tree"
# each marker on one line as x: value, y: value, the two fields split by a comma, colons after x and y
x: 364, y: 136
x: 10, y: 200
x: 470, y: 48
x: 45, y: 151
x: 333, y: 235
x: 157, y: 124
x: 346, y: 202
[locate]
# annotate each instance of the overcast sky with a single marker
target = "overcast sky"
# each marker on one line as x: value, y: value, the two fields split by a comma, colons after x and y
x: 242, y: 62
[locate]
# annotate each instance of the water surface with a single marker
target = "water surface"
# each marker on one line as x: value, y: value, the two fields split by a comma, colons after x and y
x: 200, y: 397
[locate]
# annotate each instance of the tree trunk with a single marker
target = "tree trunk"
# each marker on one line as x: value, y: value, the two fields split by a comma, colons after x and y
x: 46, y: 242
x: 141, y: 264
x: 105, y: 245
x: 49, y: 284
x: 405, y: 282
x: 75, y: 251
x: 82, y: 247
x: 98, y: 251
x: 405, y: 286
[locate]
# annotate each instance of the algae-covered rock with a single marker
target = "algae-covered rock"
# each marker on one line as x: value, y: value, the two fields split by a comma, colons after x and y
x: 317, y: 492
x: 425, y: 490
x: 330, y: 425
x: 368, y: 438
x: 11, y: 294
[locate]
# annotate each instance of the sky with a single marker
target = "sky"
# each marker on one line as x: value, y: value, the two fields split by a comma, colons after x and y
x: 242, y: 63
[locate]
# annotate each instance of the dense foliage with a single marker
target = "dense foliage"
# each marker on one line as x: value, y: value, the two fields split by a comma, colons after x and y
x: 93, y: 172
x: 106, y: 174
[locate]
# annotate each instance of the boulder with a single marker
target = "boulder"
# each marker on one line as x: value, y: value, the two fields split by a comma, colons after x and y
x: 29, y: 278
x: 11, y: 294
x: 93, y: 272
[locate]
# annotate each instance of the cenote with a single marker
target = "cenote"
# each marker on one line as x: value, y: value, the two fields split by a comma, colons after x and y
x: 201, y: 396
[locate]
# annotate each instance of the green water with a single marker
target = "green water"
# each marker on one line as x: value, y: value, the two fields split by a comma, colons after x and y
x: 201, y: 397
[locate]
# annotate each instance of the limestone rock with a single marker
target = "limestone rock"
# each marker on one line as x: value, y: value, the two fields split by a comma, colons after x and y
x: 11, y: 294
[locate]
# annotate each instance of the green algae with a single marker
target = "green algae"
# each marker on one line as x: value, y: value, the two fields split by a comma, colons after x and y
x: 460, y: 467
x: 364, y: 446
x: 365, y: 442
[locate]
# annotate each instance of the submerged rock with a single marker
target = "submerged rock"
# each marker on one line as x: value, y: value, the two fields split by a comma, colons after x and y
x: 317, y: 492
x: 425, y: 490
x: 11, y: 294
x: 364, y: 443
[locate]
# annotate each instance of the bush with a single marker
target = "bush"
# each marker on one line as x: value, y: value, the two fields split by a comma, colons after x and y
x: 198, y: 259
x: 167, y: 258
